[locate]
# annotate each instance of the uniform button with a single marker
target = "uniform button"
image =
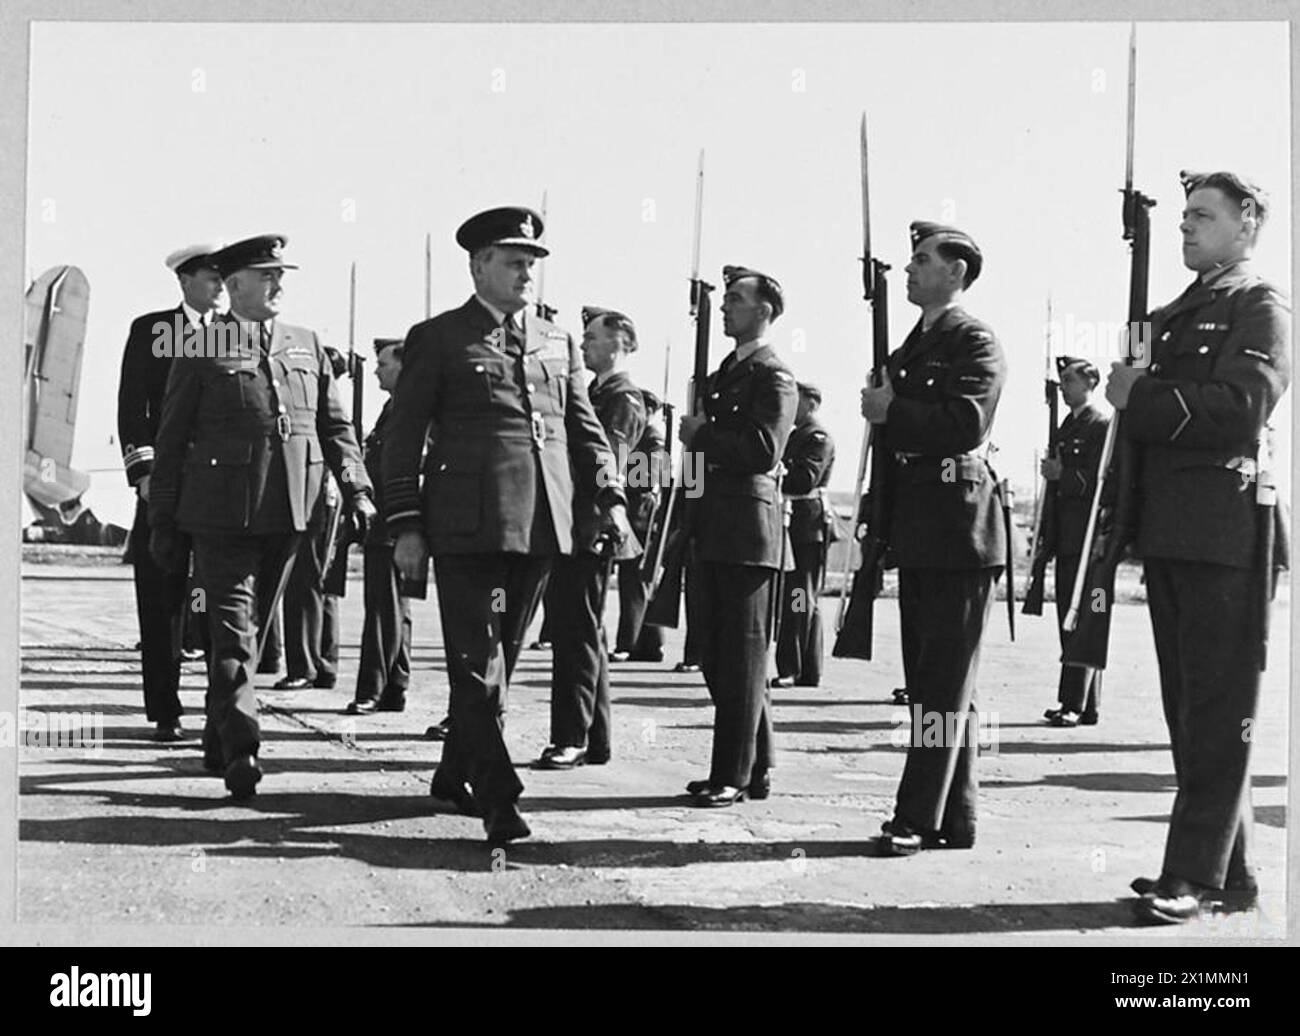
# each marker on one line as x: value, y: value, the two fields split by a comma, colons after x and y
x: 213, y: 462
x: 1203, y: 350
x: 275, y: 384
x: 714, y: 396
x: 1155, y: 368
x: 479, y: 368
x: 283, y: 409
x: 442, y: 467
x: 902, y: 374
x: 929, y: 381
x: 532, y: 387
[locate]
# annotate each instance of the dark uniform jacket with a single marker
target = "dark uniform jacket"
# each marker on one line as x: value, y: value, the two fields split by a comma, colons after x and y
x: 620, y: 408
x: 1079, y: 442
x: 945, y: 510
x: 648, y: 477
x: 503, y: 452
x: 809, y: 457
x: 750, y: 405
x: 140, y: 391
x: 223, y: 464
x: 372, y: 453
x: 1220, y: 362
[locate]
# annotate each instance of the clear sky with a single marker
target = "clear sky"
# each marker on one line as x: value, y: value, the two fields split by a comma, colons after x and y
x: 355, y: 140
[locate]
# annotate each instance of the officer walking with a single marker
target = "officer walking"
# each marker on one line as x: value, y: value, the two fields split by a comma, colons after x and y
x: 580, y: 719
x: 1071, y: 479
x: 809, y: 458
x: 513, y: 429
x: 637, y: 640
x: 247, y: 430
x: 934, y: 411
x: 1197, y: 416
x: 384, y: 672
x: 160, y: 597
x: 749, y: 405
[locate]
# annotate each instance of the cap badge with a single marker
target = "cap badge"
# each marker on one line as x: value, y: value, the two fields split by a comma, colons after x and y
x: 526, y: 227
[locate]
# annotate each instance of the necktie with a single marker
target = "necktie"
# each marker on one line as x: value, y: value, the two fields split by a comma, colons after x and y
x: 512, y: 338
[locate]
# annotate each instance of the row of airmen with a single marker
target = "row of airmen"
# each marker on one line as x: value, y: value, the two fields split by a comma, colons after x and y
x: 496, y: 466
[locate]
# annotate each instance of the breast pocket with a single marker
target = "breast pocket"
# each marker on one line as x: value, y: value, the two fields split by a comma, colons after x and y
x: 237, y: 388
x: 1194, y: 354
x: 304, y: 387
x: 477, y: 382
x: 556, y: 373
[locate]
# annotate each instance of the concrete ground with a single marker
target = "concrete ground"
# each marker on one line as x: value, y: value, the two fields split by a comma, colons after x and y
x: 343, y: 833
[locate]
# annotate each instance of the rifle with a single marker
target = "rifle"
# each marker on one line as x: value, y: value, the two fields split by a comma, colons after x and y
x: 1045, y: 520
x: 1272, y: 539
x: 543, y: 310
x: 1008, y: 524
x: 341, y: 534
x: 428, y: 277
x: 1091, y: 628
x: 665, y: 583
x: 652, y: 556
x: 855, y: 621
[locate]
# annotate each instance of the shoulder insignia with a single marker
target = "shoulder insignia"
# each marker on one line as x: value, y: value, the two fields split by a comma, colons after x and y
x: 818, y: 436
x: 1258, y: 355
x: 298, y: 350
x: 980, y: 335
x: 783, y: 375
x: 1211, y: 326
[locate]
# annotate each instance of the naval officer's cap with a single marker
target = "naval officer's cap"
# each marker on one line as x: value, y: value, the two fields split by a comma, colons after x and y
x: 264, y: 252
x: 192, y: 258
x: 769, y: 289
x: 509, y: 227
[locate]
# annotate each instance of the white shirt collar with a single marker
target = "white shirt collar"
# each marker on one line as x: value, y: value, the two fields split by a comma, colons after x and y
x: 744, y: 350
x: 499, y: 315
x: 192, y: 314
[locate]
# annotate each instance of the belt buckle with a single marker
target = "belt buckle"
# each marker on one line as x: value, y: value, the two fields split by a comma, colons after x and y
x: 284, y: 426
x: 539, y: 429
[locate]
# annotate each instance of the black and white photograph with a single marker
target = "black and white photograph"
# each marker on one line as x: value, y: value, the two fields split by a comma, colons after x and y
x: 615, y: 475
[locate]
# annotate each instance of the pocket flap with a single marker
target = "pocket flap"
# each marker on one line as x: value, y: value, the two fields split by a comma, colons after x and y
x: 232, y: 452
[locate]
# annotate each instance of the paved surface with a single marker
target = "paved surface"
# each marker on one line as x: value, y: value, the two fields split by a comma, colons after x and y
x: 343, y: 833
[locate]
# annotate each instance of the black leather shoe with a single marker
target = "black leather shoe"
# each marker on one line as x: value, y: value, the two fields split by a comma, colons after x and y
x: 291, y: 683
x: 697, y: 787
x: 1143, y: 886
x: 760, y: 785
x: 620, y: 656
x: 715, y: 798
x: 686, y: 667
x: 561, y: 757
x: 325, y: 682
x: 458, y: 795
x: 168, y: 731
x: 242, y: 776
x: 391, y: 703
x: 439, y: 730
x: 540, y: 645
x: 1064, y: 718
x: 901, y: 696
x: 364, y: 707
x: 191, y: 654
x: 899, y: 840
x: 1051, y: 713
x: 505, y: 824
x: 1172, y: 901
x: 781, y: 681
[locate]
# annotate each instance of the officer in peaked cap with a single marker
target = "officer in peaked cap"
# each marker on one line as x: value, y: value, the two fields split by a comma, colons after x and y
x: 739, y: 535
x: 505, y: 394
x: 160, y: 595
x: 1071, y: 478
x: 809, y: 459
x: 1220, y: 361
x: 933, y: 414
x: 246, y: 434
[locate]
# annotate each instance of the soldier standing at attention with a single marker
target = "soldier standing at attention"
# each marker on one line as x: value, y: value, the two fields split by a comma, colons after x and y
x: 1197, y: 416
x: 512, y: 428
x: 580, y: 719
x: 936, y: 406
x: 749, y: 407
x: 160, y: 597
x: 384, y: 672
x: 809, y: 458
x: 638, y: 641
x: 1072, y: 477
x: 245, y: 436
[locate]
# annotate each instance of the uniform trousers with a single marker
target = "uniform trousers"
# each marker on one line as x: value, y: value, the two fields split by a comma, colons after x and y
x: 1079, y: 689
x: 799, y: 642
x: 160, y: 603
x: 575, y: 602
x: 942, y: 614
x: 733, y: 625
x: 311, y: 648
x: 638, y: 639
x: 487, y: 602
x: 385, y: 667
x: 242, y: 576
x: 1206, y: 625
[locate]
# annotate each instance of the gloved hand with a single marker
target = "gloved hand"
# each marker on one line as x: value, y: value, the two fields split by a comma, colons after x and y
x: 363, y: 516
x: 168, y: 547
x: 614, y: 529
